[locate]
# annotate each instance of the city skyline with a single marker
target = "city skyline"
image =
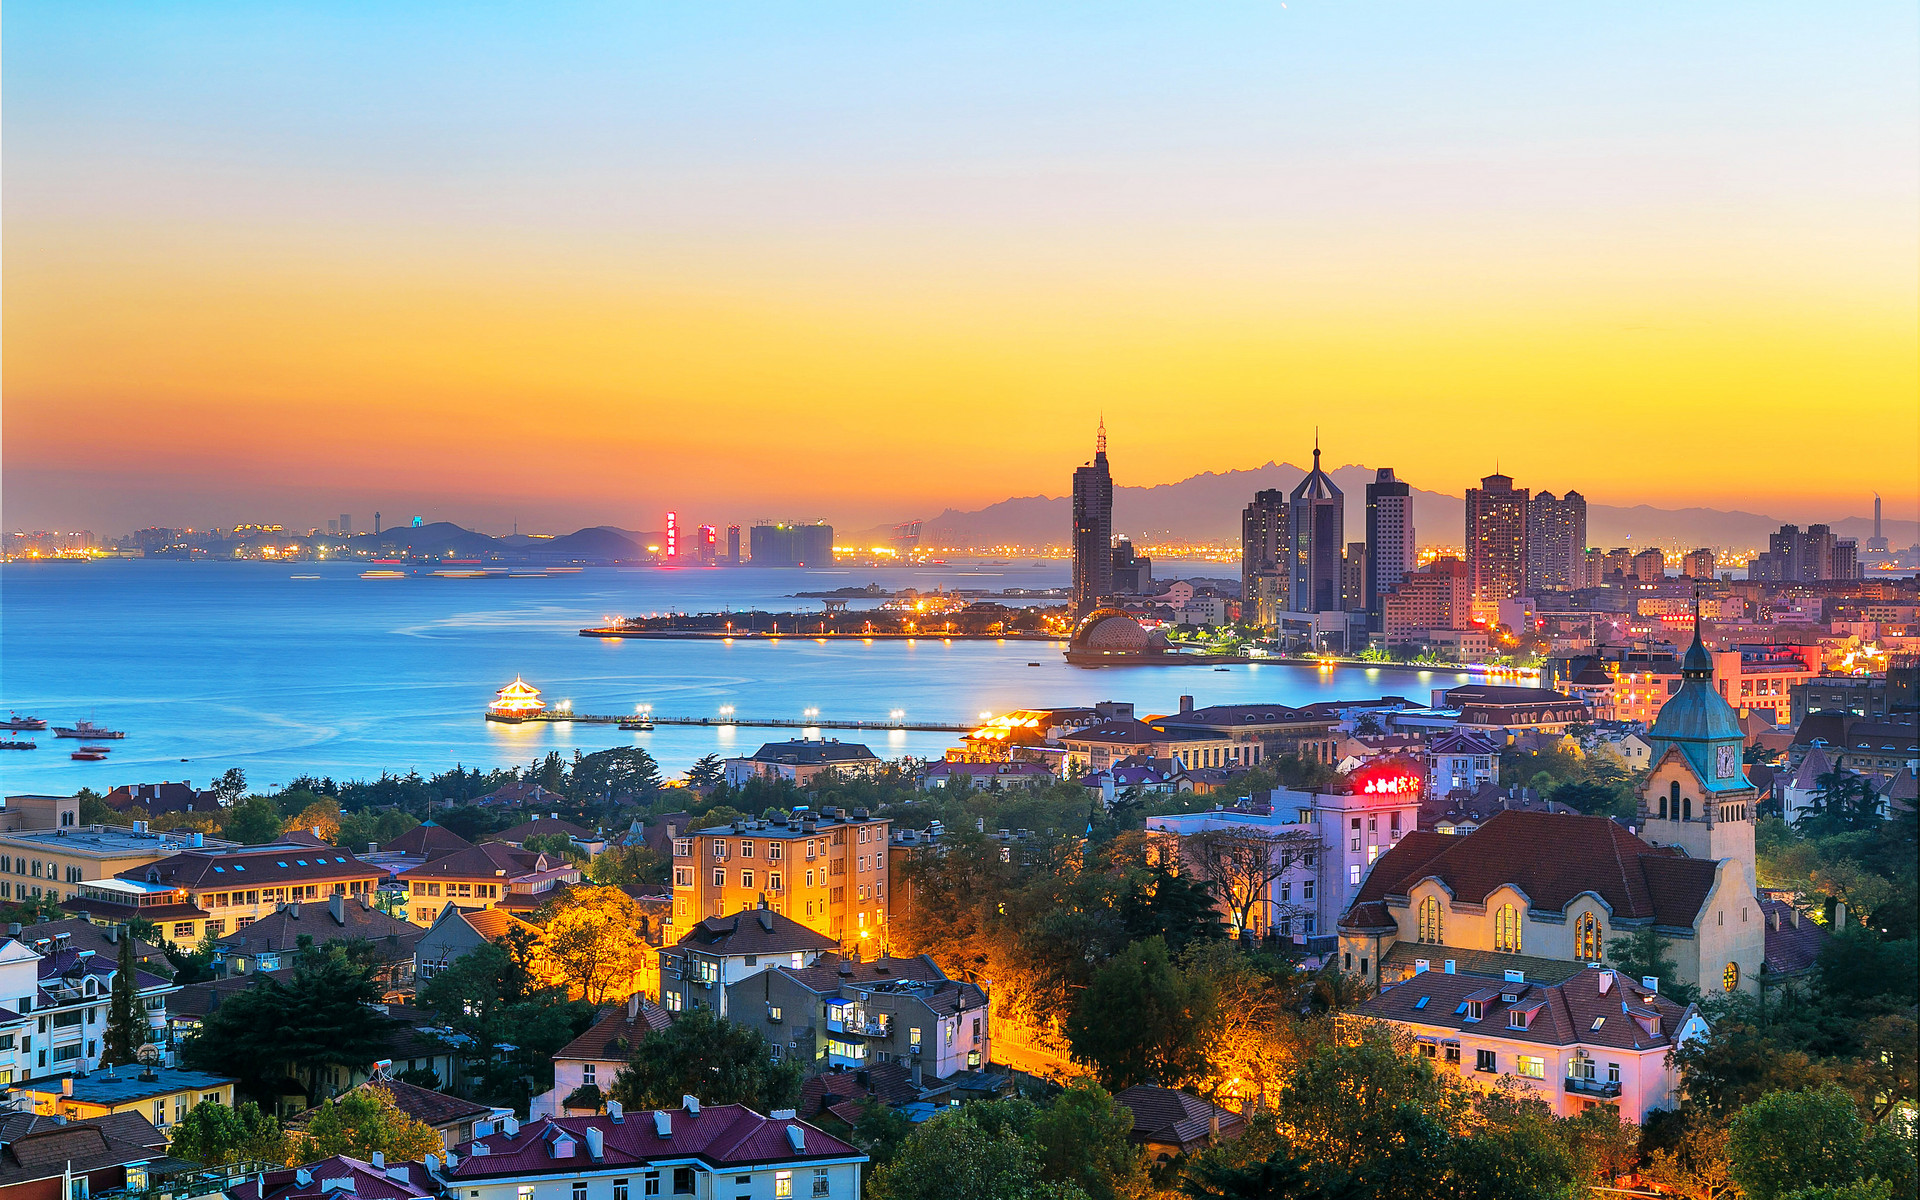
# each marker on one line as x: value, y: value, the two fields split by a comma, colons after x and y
x: 260, y: 260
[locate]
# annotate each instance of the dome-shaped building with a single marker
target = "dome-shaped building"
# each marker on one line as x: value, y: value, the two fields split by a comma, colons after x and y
x: 1109, y: 631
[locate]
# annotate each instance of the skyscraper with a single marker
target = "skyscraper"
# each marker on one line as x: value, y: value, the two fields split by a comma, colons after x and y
x: 1556, y: 542
x: 1316, y: 528
x: 1391, y: 550
x: 1353, y: 578
x: 1496, y: 544
x: 1092, y: 529
x: 1878, y: 542
x: 1264, y: 573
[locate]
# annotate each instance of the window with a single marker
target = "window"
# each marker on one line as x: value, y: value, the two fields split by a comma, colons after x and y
x: 1306, y: 888
x: 683, y: 877
x: 773, y: 881
x: 782, y: 1184
x: 1506, y: 930
x: 1730, y: 978
x: 746, y: 848
x: 1428, y: 1050
x: 820, y: 1181
x: 1613, y: 1072
x: 773, y: 851
x: 159, y: 1112
x: 683, y: 1181
x: 579, y: 1189
x: 524, y: 1191
x: 1430, y: 920
x: 619, y: 1189
x: 746, y: 879
x: 1586, y: 938
x: 1483, y: 1061
x: 652, y: 1184
x: 183, y: 929
x: 1453, y: 1052
x: 1353, y: 872
x: 588, y: 1072
x: 719, y: 877
x: 1532, y: 1066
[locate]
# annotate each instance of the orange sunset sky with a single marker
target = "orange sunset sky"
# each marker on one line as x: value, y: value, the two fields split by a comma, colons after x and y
x: 576, y: 265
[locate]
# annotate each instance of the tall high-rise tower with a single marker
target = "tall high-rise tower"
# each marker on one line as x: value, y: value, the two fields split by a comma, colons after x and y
x: 1316, y: 529
x: 1264, y: 570
x: 1556, y: 542
x: 1878, y: 542
x: 1093, y: 529
x: 1391, y: 551
x: 1496, y: 543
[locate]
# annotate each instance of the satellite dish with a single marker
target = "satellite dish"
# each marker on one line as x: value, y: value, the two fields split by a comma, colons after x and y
x: 148, y: 1055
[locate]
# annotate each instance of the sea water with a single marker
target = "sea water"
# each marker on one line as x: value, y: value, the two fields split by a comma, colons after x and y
x: 284, y: 669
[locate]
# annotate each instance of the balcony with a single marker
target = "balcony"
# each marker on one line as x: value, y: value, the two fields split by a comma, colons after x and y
x: 1593, y: 1087
x: 882, y: 1028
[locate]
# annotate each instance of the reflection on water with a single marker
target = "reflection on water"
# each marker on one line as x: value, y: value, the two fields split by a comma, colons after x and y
x: 240, y: 664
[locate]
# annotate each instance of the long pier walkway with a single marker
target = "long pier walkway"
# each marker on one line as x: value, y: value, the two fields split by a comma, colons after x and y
x: 754, y: 722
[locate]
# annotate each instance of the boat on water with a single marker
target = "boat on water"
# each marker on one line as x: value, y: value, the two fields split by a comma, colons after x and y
x: 86, y: 729
x: 636, y: 725
x: 18, y: 746
x: 90, y: 748
x: 85, y: 755
x: 19, y: 723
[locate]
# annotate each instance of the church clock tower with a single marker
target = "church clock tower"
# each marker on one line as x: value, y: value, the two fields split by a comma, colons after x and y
x: 1697, y: 796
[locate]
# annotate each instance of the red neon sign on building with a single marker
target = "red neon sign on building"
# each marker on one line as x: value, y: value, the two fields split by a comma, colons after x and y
x: 1387, y: 779
x: 673, y: 535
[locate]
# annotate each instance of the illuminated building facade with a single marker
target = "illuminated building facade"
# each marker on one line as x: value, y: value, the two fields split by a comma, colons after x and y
x: 1265, y: 573
x: 1391, y: 546
x: 1698, y: 564
x: 826, y: 869
x: 1439, y: 596
x: 673, y: 537
x: 782, y: 545
x: 1092, y: 530
x: 1556, y: 542
x: 1496, y: 544
x: 1316, y: 535
x: 518, y: 701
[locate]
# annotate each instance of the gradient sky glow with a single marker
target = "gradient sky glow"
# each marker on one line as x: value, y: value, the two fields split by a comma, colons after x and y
x: 576, y: 264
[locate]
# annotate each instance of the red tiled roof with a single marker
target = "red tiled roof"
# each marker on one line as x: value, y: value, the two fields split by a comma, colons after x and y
x: 1793, y: 947
x: 760, y: 931
x: 427, y: 840
x: 365, y: 1181
x: 1168, y: 1117
x: 1566, y: 1014
x: 488, y: 860
x: 253, y: 867
x: 1551, y: 858
x: 613, y: 1036
x: 721, y: 1135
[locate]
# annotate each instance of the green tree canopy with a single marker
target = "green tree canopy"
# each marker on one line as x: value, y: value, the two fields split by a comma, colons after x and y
x: 711, y: 1058
x: 322, y: 1017
x: 1141, y: 1019
x: 358, y: 1124
x: 215, y: 1134
x: 960, y: 1154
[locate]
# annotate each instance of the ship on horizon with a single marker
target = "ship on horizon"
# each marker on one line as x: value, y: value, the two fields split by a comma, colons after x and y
x: 86, y: 729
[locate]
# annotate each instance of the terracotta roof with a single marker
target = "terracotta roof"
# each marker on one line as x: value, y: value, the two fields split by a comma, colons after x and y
x: 493, y: 923
x: 252, y: 867
x: 485, y: 861
x: 1551, y: 858
x: 889, y: 1083
x: 391, y: 937
x: 541, y: 827
x: 1165, y: 1116
x: 1483, y: 964
x: 761, y: 931
x: 1574, y: 1012
x: 427, y: 840
x: 395, y: 1181
x: 721, y: 1135
x: 433, y: 1108
x: 613, y: 1035
x: 198, y: 999
x: 82, y: 934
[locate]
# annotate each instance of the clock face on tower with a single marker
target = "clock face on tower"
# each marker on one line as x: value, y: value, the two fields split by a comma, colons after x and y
x: 1727, y: 762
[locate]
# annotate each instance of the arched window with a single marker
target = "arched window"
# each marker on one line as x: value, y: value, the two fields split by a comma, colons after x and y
x: 1730, y: 978
x: 1506, y: 930
x: 1430, y: 920
x: 1686, y: 809
x: 1663, y: 808
x: 1586, y: 938
x: 1673, y: 799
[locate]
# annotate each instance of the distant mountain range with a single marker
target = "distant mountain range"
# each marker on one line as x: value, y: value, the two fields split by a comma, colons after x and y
x: 1206, y: 508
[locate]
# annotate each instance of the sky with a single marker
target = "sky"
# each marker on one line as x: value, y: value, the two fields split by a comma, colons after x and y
x: 576, y: 264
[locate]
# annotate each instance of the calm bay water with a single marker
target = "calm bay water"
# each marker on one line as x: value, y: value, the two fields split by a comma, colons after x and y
x: 228, y: 664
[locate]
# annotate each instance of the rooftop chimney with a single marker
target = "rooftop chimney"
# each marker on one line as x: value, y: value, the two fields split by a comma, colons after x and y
x: 66, y: 1086
x: 691, y: 1104
x: 379, y: 1160
x: 633, y: 1007
x: 616, y: 1112
x: 596, y: 1142
x: 663, y: 1123
x: 337, y: 907
x: 1186, y: 704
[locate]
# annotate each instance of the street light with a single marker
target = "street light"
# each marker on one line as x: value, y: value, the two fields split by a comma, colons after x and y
x: 726, y: 710
x: 809, y: 713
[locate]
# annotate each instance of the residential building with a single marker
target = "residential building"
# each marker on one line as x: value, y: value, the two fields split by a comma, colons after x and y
x: 457, y: 932
x: 1132, y: 573
x: 161, y: 799
x: 40, y: 812
x: 1265, y: 564
x: 825, y: 868
x: 73, y: 933
x: 845, y: 1013
x: 1010, y: 774
x: 1875, y: 697
x: 55, y: 999
x: 799, y: 761
x: 273, y: 941
x: 1697, y: 564
x: 1594, y: 1038
x: 1496, y: 544
x: 1392, y: 549
x: 1092, y: 530
x: 715, y: 1152
x: 784, y: 545
x: 593, y: 1059
x: 1462, y: 810
x: 429, y: 839
x: 1756, y: 677
x: 1462, y: 758
x: 700, y: 969
x: 1316, y: 540
x: 484, y: 876
x: 163, y: 1095
x: 206, y: 891
x: 1254, y: 733
x: 1795, y: 557
x: 40, y: 858
x: 1168, y: 1124
x: 1650, y: 566
x: 1556, y: 543
x: 1353, y: 578
x: 1437, y: 597
x: 52, y: 1158
x: 1102, y: 746
x: 548, y: 826
x: 344, y: 1178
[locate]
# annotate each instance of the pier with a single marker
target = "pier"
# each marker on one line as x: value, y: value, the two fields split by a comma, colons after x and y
x: 741, y: 722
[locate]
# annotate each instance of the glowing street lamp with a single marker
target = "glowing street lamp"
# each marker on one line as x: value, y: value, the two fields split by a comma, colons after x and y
x: 726, y: 710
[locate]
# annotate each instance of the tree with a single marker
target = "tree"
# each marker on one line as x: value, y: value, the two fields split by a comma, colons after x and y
x: 127, y: 1025
x: 252, y: 822
x: 361, y: 1122
x: 494, y: 997
x: 94, y: 810
x: 627, y: 866
x: 556, y: 845
x: 1843, y: 802
x: 705, y: 772
x: 230, y: 786
x: 622, y: 772
x: 1607, y: 1146
x: 593, y: 942
x: 1140, y: 1019
x: 321, y: 1018
x: 1695, y: 1167
x: 710, y: 1057
x: 1081, y: 1139
x: 954, y: 1157
x: 1366, y: 1112
x: 1787, y: 1141
x: 1643, y: 953
x: 321, y: 816
x: 1240, y: 866
x: 215, y: 1135
x: 880, y: 1130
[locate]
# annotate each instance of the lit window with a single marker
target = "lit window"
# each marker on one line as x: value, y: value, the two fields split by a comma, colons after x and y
x: 1532, y: 1066
x: 1506, y: 930
x: 1586, y: 938
x: 1430, y: 920
x: 1730, y: 978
